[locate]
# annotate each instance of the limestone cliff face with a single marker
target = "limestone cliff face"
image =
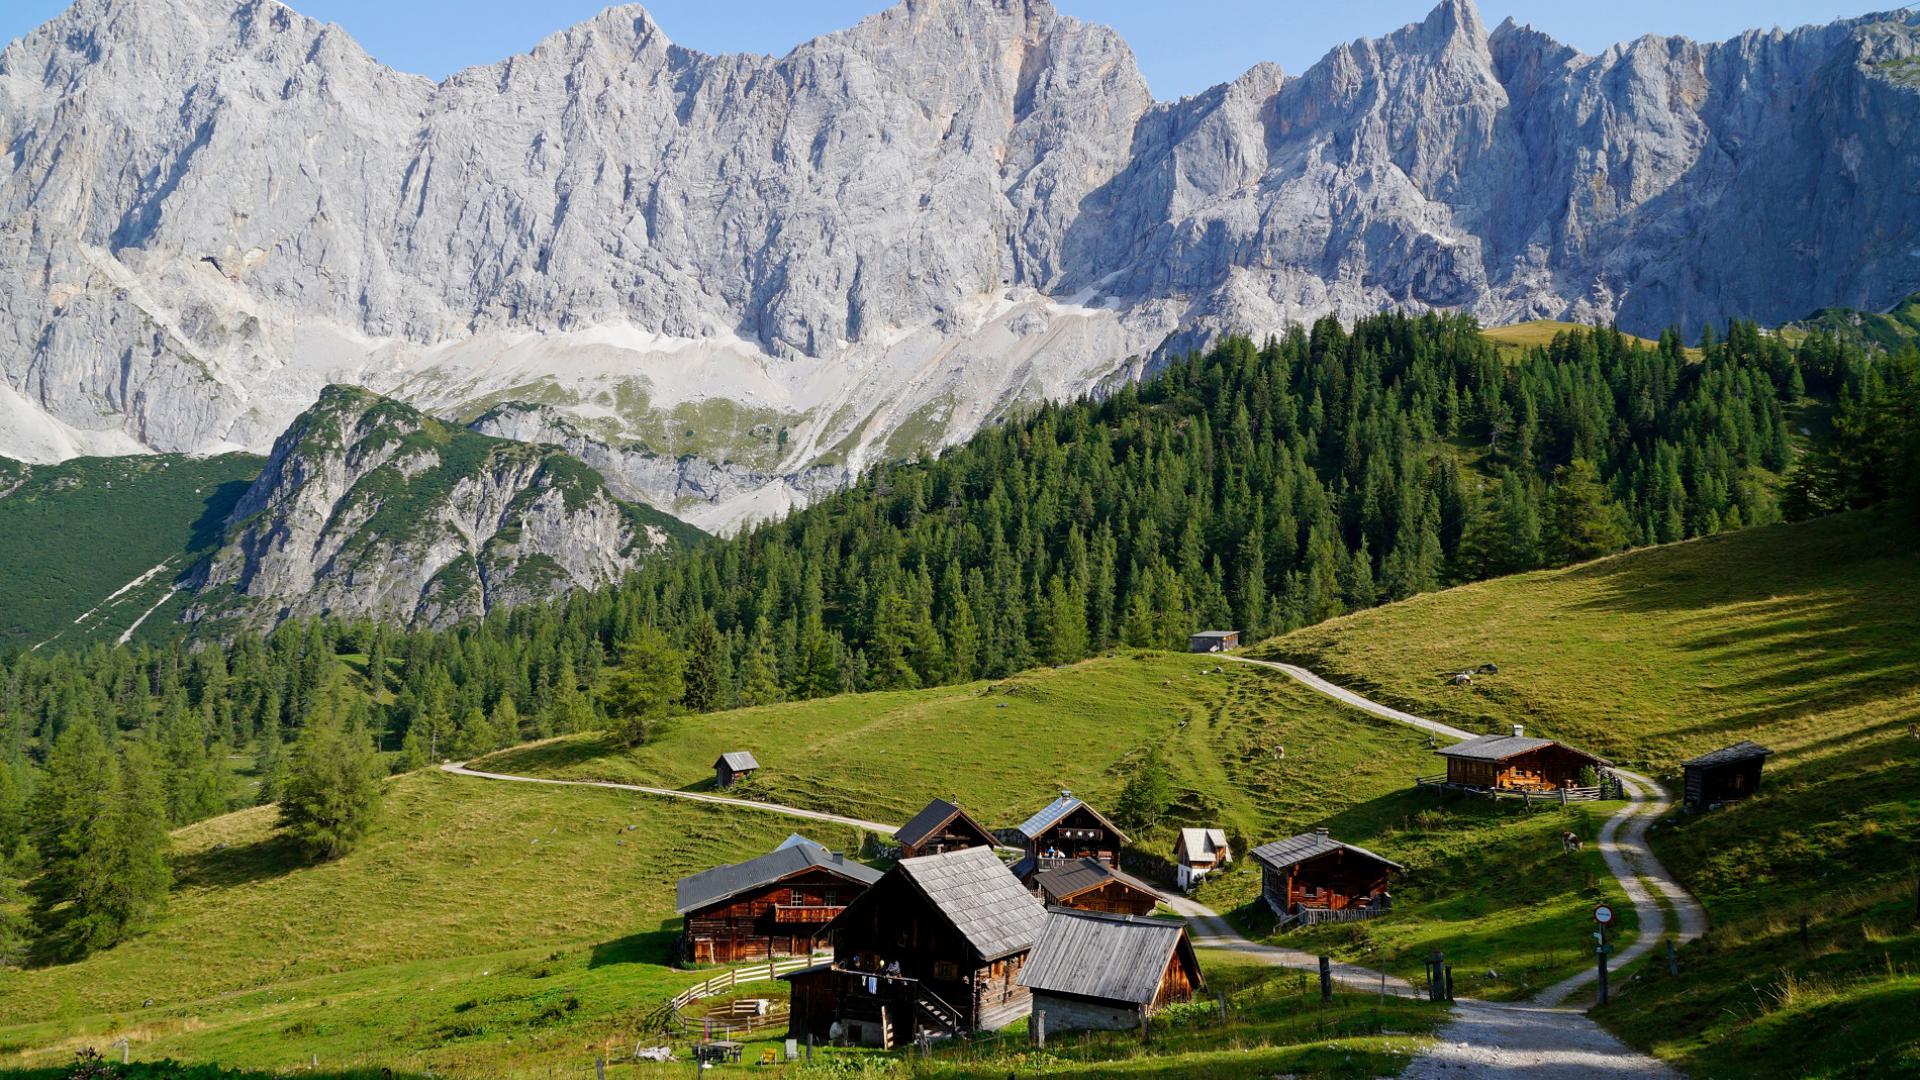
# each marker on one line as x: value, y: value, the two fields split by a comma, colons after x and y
x: 211, y: 209
x: 369, y: 508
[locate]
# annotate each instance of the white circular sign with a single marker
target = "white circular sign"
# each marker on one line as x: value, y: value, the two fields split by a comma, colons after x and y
x: 1603, y: 915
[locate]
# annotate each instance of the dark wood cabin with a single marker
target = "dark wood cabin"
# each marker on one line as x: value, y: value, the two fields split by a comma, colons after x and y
x: 1314, y: 878
x: 942, y: 826
x: 1730, y: 773
x: 1091, y: 885
x: 1210, y: 641
x: 936, y: 947
x: 1516, y: 763
x: 1110, y: 972
x: 1067, y: 831
x: 730, y: 768
x: 771, y: 906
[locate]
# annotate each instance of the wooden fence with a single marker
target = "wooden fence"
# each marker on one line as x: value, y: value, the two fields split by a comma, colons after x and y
x: 1608, y: 788
x: 669, y: 1018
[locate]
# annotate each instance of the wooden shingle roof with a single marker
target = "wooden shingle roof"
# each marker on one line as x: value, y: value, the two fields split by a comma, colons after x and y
x: 1063, y: 883
x: 934, y: 818
x: 1108, y: 957
x: 1727, y: 755
x: 725, y: 882
x: 1298, y: 849
x: 1502, y: 747
x: 974, y: 890
x: 737, y: 760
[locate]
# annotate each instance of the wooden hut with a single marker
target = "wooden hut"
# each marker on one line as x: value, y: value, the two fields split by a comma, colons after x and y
x: 733, y: 767
x: 936, y: 946
x: 942, y: 826
x: 1197, y: 853
x: 1065, y: 832
x: 766, y: 907
x: 1313, y: 878
x: 1729, y: 773
x: 1093, y: 971
x: 1211, y: 641
x: 1516, y: 763
x: 1091, y: 885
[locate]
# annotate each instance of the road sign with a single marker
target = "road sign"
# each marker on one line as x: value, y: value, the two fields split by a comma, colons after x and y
x: 1603, y: 915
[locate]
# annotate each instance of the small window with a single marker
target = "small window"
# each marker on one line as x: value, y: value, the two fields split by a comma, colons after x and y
x: 946, y: 970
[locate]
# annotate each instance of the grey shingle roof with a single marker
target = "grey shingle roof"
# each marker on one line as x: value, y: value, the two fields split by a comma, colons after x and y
x: 1493, y: 747
x: 977, y: 894
x: 1204, y: 841
x: 930, y: 820
x: 1110, y: 957
x: 722, y: 882
x: 1063, y: 883
x: 737, y: 760
x: 1051, y: 814
x: 1298, y: 849
x: 1727, y: 755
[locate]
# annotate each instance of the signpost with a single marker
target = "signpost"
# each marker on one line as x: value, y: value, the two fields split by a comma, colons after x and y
x: 1603, y: 915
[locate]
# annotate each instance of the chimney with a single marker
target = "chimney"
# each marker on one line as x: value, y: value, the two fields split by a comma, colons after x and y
x: 1519, y: 731
x: 1320, y: 832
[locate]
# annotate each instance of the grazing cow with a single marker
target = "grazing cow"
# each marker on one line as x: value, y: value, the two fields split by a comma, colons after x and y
x: 1570, y: 842
x: 1463, y: 679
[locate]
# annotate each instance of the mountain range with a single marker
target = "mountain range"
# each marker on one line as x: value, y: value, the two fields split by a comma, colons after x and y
x: 734, y: 281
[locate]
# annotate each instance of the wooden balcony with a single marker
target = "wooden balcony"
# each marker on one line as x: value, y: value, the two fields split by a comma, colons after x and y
x: 806, y: 913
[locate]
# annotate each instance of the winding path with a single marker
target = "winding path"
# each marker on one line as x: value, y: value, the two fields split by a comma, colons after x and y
x: 1538, y: 1038
x: 1490, y: 1040
x: 459, y: 768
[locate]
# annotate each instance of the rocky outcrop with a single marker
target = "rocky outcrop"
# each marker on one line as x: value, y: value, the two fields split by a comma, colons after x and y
x: 890, y: 236
x: 715, y: 496
x: 369, y: 508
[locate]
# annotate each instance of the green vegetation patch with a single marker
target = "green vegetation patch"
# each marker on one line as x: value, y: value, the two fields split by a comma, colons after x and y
x: 73, y: 534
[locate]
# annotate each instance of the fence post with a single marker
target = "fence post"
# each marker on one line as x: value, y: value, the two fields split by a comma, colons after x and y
x: 600, y: 1067
x: 1326, y: 979
x: 1040, y: 1030
x: 1673, y: 965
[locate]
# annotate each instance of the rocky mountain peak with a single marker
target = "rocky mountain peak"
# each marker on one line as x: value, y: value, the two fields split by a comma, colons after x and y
x: 791, y: 267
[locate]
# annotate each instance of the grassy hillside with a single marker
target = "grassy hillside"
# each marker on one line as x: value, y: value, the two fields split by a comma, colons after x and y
x: 503, y: 929
x: 1804, y: 638
x: 73, y: 534
x: 1892, y: 330
x: 1247, y: 749
x: 1517, y: 337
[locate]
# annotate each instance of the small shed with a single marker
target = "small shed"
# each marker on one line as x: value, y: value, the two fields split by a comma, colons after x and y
x: 1516, y: 763
x: 1110, y: 972
x: 1198, y: 853
x: 1065, y: 831
x: 1729, y: 773
x: 730, y: 768
x: 1313, y: 878
x: 1214, y: 641
x: 941, y: 826
x: 1091, y: 885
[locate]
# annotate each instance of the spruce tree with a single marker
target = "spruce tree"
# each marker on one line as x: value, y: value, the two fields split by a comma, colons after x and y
x: 645, y: 688
x: 332, y: 792
x: 1582, y: 522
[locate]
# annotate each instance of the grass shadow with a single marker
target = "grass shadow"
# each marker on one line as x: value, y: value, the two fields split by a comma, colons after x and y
x: 221, y: 867
x: 648, y: 947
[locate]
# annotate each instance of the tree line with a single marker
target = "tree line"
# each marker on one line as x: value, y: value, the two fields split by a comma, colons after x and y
x: 1262, y: 486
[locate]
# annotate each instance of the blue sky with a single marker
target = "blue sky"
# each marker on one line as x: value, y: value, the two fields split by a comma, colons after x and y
x: 1183, y: 47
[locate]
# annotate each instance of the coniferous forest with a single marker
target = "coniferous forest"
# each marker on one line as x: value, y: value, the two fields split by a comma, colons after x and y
x: 1258, y: 486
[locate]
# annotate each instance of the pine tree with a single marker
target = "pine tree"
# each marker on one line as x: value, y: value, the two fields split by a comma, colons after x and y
x: 1148, y: 794
x: 140, y: 872
x: 73, y: 820
x: 1582, y: 522
x: 706, y: 657
x: 646, y: 688
x: 331, y: 796
x: 760, y: 672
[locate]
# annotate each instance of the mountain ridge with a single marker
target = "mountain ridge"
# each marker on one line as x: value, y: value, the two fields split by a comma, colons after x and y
x: 886, y: 237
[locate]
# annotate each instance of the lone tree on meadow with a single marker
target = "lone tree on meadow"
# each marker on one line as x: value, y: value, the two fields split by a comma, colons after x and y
x: 646, y: 687
x: 331, y: 794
